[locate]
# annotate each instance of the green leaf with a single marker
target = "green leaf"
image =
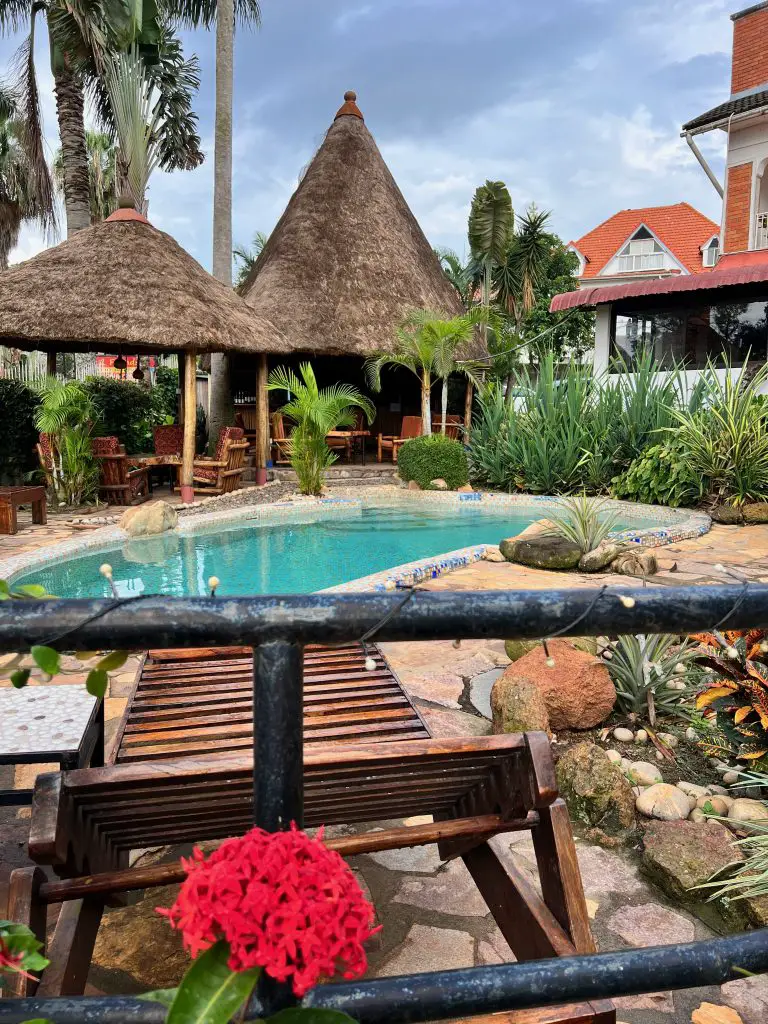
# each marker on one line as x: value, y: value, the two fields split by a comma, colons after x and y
x: 4, y: 588
x: 113, y: 661
x: 210, y: 993
x: 96, y: 682
x: 38, y: 1020
x: 47, y: 659
x: 160, y: 995
x: 299, y: 1015
x: 20, y: 678
x: 31, y: 590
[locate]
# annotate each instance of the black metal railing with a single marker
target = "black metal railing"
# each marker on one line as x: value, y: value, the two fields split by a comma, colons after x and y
x: 277, y: 628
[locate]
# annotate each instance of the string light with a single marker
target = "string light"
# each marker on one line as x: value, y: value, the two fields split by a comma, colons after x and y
x: 213, y: 583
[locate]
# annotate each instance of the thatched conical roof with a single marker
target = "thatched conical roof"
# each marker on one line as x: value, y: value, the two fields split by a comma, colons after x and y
x: 124, y: 284
x: 347, y: 259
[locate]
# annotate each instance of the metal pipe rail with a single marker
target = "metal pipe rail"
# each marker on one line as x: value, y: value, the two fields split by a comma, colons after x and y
x: 277, y: 627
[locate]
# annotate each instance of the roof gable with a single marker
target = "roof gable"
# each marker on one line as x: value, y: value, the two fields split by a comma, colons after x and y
x: 680, y: 228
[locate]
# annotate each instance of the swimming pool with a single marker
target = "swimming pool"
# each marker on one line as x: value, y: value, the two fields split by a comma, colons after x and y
x: 262, y: 557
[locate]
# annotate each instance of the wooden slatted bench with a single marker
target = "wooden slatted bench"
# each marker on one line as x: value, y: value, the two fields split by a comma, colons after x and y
x: 86, y: 823
x: 196, y: 701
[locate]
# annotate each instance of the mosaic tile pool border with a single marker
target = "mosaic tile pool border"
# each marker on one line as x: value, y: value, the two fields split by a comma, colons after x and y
x: 674, y: 525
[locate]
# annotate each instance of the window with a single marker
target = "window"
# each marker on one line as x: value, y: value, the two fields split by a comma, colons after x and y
x: 694, y: 334
x: 710, y: 253
x: 642, y: 252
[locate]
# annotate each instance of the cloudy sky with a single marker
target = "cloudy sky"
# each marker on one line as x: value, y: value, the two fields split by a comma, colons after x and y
x: 575, y: 104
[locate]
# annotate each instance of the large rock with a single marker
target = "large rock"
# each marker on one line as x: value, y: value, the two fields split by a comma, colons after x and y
x: 540, y: 547
x: 145, y: 520
x: 665, y: 802
x: 681, y: 855
x: 728, y: 515
x: 595, y: 790
x: 518, y: 706
x: 438, y: 484
x: 577, y: 689
x: 600, y: 557
x: 755, y: 513
x: 744, y: 809
x: 636, y: 563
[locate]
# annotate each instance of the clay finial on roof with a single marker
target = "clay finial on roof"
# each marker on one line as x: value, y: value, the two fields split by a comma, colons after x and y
x: 126, y: 210
x: 349, y: 106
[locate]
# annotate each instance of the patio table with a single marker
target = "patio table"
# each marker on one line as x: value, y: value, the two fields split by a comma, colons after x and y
x: 153, y: 461
x: 357, y: 442
x: 12, y: 497
x: 44, y: 724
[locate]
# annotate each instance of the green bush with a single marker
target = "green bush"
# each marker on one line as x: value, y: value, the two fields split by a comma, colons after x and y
x: 19, y: 434
x: 433, y: 457
x: 661, y: 476
x: 127, y: 409
x: 165, y: 391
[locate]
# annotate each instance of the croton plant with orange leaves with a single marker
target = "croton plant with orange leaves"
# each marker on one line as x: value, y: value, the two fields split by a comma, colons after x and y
x: 737, y: 692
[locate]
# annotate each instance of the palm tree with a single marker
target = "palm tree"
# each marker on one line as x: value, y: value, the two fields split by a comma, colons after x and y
x: 458, y: 275
x: 26, y: 190
x: 196, y: 13
x: 427, y: 345
x: 102, y: 174
x: 491, y: 223
x: 450, y: 337
x: 315, y: 413
x: 81, y: 33
x: 247, y: 257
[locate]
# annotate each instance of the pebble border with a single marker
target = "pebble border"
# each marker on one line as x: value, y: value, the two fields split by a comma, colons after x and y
x: 674, y: 525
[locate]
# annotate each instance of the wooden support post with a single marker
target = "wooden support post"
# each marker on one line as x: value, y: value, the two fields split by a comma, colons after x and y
x: 50, y: 364
x: 262, y: 421
x: 468, y: 395
x: 190, y: 417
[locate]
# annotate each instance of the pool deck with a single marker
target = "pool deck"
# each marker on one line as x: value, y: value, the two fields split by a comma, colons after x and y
x: 431, y: 913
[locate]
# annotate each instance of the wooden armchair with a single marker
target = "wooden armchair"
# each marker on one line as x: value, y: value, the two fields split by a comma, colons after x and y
x: 454, y: 425
x: 121, y: 484
x: 222, y: 473
x: 411, y: 427
x: 169, y: 440
x: 280, y: 444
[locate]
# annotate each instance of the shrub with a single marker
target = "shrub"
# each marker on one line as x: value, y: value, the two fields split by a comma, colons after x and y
x: 661, y: 476
x: 584, y: 521
x: 125, y: 408
x: 642, y: 667
x: 19, y: 434
x: 165, y: 392
x: 433, y: 457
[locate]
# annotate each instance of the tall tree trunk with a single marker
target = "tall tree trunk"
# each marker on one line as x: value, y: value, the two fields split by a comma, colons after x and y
x: 444, y: 404
x: 222, y: 409
x: 69, y: 110
x: 426, y: 411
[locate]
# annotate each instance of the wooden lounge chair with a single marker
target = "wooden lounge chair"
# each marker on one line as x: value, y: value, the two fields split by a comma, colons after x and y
x: 222, y: 473
x: 121, y: 483
x: 280, y: 443
x: 454, y: 426
x: 411, y: 427
x: 89, y: 820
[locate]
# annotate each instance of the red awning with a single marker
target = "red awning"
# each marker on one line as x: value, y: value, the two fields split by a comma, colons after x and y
x: 736, y: 268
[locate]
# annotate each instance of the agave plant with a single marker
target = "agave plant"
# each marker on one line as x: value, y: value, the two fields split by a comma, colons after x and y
x: 583, y: 520
x: 642, y: 668
x: 737, y: 693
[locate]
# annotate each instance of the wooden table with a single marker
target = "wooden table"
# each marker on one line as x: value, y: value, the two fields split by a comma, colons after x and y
x: 356, y: 439
x: 153, y: 461
x: 12, y: 497
x: 44, y: 724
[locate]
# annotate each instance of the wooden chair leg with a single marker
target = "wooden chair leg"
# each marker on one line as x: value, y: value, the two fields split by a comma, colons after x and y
x: 71, y: 949
x: 379, y: 454
x: 559, y: 873
x: 26, y: 907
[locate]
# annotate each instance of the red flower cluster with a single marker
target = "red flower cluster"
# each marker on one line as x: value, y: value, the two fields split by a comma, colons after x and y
x: 282, y: 901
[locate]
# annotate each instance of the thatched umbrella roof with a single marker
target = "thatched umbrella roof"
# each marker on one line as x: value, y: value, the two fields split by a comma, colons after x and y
x: 347, y: 259
x: 123, y: 284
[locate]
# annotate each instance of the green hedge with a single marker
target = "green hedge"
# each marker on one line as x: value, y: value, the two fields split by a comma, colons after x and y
x: 661, y: 476
x: 128, y: 409
x: 433, y: 457
x: 18, y: 436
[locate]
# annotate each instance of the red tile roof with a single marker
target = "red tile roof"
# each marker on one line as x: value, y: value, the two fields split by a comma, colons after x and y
x: 680, y: 228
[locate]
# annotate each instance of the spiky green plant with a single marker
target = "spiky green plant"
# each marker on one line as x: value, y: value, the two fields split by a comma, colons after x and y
x: 315, y: 412
x: 584, y: 521
x: 642, y: 667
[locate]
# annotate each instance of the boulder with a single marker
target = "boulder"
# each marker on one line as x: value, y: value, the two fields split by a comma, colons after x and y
x: 148, y: 519
x: 665, y: 802
x: 413, y: 486
x: 595, y: 790
x: 540, y: 547
x: 728, y: 515
x: 635, y: 563
x: 713, y: 805
x: 518, y: 706
x: 745, y: 809
x: 492, y: 554
x: 755, y: 513
x: 600, y: 557
x: 577, y: 689
x: 691, y: 789
x: 641, y: 773
x: 466, y: 489
x: 438, y: 484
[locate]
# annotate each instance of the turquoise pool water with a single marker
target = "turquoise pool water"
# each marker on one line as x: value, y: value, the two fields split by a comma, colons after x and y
x: 283, y: 557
